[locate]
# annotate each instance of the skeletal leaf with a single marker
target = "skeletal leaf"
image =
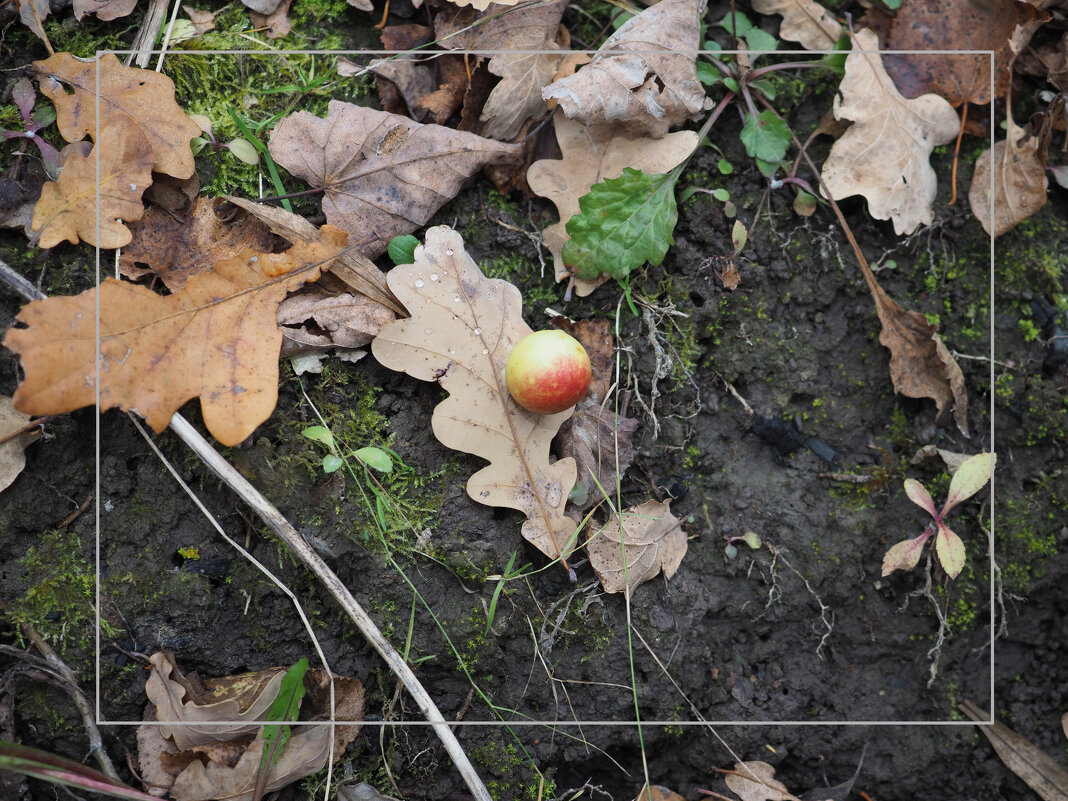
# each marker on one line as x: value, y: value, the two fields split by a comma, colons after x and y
x: 969, y: 478
x: 884, y: 154
x: 69, y: 209
x: 905, y: 555
x: 144, y: 95
x: 950, y: 550
x: 765, y: 787
x: 591, y: 155
x: 461, y: 330
x: 644, y: 77
x: 650, y: 536
x: 382, y: 173
x: 217, y: 339
x: 1019, y: 181
x: 804, y: 21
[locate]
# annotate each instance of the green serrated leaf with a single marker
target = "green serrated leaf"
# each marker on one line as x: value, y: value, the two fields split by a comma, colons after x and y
x: 624, y: 223
x: 283, y: 710
x: 765, y: 137
x: 402, y: 249
x: 375, y: 458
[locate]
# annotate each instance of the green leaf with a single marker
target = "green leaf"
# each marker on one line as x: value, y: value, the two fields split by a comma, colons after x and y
x: 375, y: 458
x: 708, y: 74
x: 970, y: 477
x: 624, y: 223
x: 760, y: 40
x: 767, y: 168
x: 402, y: 249
x: 836, y: 60
x: 739, y: 236
x: 285, y: 708
x: 724, y: 167
x: 332, y: 463
x: 950, y: 551
x: 320, y: 434
x: 765, y: 88
x: 765, y: 137
x: 244, y: 151
x: 893, y: 5
x: 752, y: 539
x: 731, y: 84
x: 739, y: 27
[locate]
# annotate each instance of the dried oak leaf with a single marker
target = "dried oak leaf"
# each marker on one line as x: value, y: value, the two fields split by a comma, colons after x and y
x: 144, y: 95
x: 884, y: 154
x: 177, y: 247
x: 451, y: 80
x: 644, y: 77
x: 947, y: 25
x: 765, y: 787
x: 533, y: 27
x: 590, y: 155
x: 12, y: 458
x: 104, y: 9
x: 217, y: 339
x: 804, y: 21
x: 68, y: 208
x: 402, y: 80
x: 653, y: 540
x: 1019, y: 181
x: 462, y: 328
x: 316, y: 318
x: 382, y: 173
x: 33, y: 13
x: 590, y: 437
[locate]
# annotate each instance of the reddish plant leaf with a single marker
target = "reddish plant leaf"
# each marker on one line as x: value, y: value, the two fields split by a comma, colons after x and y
x: 950, y: 550
x: 905, y: 555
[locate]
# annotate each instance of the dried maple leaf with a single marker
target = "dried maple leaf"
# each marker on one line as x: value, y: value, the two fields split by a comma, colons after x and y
x: 68, y: 208
x: 144, y: 95
x: 884, y: 154
x: 644, y: 77
x: 217, y: 339
x: 104, y: 9
x: 382, y: 173
x: 462, y: 328
x: 176, y: 247
x: 765, y: 787
x: 1019, y: 181
x: 947, y: 25
x: 652, y: 539
x: 804, y: 21
x: 591, y: 155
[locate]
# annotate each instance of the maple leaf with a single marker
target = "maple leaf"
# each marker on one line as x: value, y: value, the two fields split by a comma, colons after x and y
x: 590, y: 155
x: 1019, y: 181
x: 644, y: 77
x: 650, y: 536
x: 884, y: 154
x: 217, y: 339
x: 382, y: 173
x: 176, y: 247
x: 145, y: 96
x: 804, y: 21
x: 462, y: 329
x: 68, y: 208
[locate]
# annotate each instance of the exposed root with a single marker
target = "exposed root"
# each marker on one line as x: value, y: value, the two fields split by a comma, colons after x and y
x: 775, y: 594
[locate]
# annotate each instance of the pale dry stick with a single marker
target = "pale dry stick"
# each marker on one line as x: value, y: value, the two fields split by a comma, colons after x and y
x: 263, y: 569
x: 141, y: 53
x: 285, y: 531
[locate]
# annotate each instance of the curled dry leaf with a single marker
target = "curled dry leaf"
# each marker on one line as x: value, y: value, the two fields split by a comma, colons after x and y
x: 321, y: 319
x: 804, y: 21
x: 462, y: 329
x: 33, y: 13
x: 658, y: 793
x: 68, y: 208
x: 402, y: 80
x: 144, y: 95
x: 12, y: 458
x: 652, y: 539
x: 216, y: 339
x: 765, y: 787
x: 1020, y: 181
x: 104, y: 9
x: 382, y: 173
x: 884, y: 154
x: 590, y: 155
x: 644, y: 77
x: 176, y: 247
x: 591, y: 437
x: 481, y: 5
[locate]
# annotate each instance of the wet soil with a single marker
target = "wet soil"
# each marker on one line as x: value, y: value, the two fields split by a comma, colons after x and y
x: 803, y: 630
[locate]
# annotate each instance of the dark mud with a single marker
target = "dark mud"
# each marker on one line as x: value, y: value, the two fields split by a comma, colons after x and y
x: 803, y: 630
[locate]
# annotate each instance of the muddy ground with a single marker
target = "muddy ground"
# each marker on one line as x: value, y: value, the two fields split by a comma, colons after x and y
x: 801, y: 631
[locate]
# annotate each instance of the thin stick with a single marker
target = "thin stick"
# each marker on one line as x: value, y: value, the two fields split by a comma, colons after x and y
x: 280, y: 526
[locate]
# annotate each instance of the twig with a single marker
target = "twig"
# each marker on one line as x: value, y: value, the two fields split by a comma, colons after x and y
x: 285, y: 531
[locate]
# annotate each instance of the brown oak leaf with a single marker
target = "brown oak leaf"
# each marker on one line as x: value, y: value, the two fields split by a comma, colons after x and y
x: 644, y: 77
x: 462, y: 329
x: 316, y: 318
x: 217, y: 339
x: 177, y: 247
x: 1020, y: 181
x: 591, y: 437
x: 68, y: 208
x: 382, y: 173
x: 884, y: 154
x: 104, y: 9
x: 804, y: 21
x: 590, y: 155
x: 652, y: 539
x: 145, y: 96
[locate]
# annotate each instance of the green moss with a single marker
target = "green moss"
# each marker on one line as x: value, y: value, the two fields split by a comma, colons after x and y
x: 508, y: 773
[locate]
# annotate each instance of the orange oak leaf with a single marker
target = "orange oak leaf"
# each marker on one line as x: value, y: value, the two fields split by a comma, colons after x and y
x: 144, y: 95
x: 462, y: 329
x: 68, y: 208
x: 216, y: 339
x: 382, y: 173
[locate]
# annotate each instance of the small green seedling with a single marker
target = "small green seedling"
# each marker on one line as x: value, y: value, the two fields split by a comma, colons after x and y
x: 750, y: 538
x: 970, y: 477
x: 379, y: 459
